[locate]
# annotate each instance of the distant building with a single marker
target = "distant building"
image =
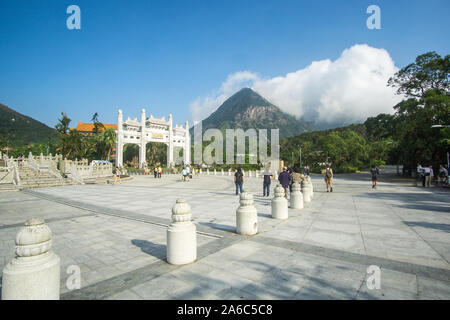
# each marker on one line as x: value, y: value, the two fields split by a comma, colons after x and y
x: 87, y: 129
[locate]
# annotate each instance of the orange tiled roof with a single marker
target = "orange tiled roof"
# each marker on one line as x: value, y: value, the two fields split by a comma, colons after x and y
x: 89, y: 127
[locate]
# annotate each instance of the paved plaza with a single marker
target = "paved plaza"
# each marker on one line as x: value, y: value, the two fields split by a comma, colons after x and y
x: 116, y: 234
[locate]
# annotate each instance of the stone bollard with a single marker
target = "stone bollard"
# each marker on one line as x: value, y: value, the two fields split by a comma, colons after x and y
x: 229, y: 172
x: 222, y: 172
x: 296, y: 197
x: 207, y: 171
x: 246, y: 215
x: 306, y: 190
x: 312, y: 188
x: 215, y: 172
x: 181, y: 235
x: 34, y: 274
x: 279, y: 204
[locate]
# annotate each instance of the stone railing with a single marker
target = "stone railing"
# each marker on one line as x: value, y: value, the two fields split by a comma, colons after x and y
x: 9, y: 173
x: 81, y: 170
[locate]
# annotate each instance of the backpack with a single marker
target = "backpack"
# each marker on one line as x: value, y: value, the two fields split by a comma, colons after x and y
x: 238, y: 177
x: 328, y: 173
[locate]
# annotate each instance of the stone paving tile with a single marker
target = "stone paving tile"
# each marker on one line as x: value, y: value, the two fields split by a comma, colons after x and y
x: 321, y: 251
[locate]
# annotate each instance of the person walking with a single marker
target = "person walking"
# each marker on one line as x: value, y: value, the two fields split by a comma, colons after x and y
x: 239, y: 180
x: 442, y: 176
x: 306, y: 170
x: 374, y: 172
x: 421, y: 174
x: 284, y: 178
x: 117, y: 176
x: 183, y: 174
x: 328, y: 177
x: 428, y: 173
x: 188, y: 172
x: 268, y: 176
x: 159, y: 172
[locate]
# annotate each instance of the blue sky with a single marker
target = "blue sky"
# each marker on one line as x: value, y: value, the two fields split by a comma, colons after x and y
x: 163, y: 55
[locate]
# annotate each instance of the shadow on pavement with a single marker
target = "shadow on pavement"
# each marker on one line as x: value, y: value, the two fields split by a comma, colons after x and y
x: 150, y: 248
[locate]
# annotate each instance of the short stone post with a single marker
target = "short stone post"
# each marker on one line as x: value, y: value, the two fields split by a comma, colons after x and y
x: 222, y: 172
x: 306, y: 190
x: 279, y: 204
x: 311, y: 185
x: 296, y: 197
x: 229, y: 172
x: 181, y: 235
x: 207, y: 171
x: 215, y: 172
x: 246, y: 215
x: 34, y: 274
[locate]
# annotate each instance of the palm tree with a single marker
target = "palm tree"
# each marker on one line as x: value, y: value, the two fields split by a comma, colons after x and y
x: 108, y: 139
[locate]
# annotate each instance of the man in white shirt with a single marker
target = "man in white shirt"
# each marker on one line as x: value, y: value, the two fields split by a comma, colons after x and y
x: 428, y: 172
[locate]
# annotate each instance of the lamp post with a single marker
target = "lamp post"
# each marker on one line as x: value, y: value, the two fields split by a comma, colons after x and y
x: 443, y: 126
x: 300, y: 148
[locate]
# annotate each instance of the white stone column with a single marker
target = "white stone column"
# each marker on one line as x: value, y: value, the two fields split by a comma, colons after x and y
x: 142, y: 144
x: 246, y: 215
x: 187, y: 146
x: 296, y: 200
x: 119, y: 140
x: 34, y: 274
x: 279, y: 204
x: 170, y: 143
x: 306, y: 190
x: 181, y: 235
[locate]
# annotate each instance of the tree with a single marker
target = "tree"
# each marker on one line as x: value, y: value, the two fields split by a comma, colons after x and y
x: 108, y: 139
x: 97, y: 124
x: 63, y: 126
x: 426, y: 87
x: 429, y: 72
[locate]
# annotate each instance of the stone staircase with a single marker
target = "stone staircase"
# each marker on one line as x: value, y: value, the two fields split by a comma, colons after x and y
x: 32, y: 179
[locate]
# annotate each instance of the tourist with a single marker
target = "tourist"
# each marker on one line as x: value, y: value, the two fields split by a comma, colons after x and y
x: 268, y: 176
x: 284, y: 178
x: 328, y: 177
x: 443, y: 174
x: 188, y: 172
x: 183, y: 174
x: 374, y: 172
x: 117, y: 176
x: 306, y: 170
x: 428, y: 173
x: 296, y: 176
x: 21, y: 160
x: 155, y: 172
x: 239, y: 180
x: 421, y: 174
x: 159, y: 172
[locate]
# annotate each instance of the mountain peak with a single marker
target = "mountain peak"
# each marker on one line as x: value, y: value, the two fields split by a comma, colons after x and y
x: 248, y: 109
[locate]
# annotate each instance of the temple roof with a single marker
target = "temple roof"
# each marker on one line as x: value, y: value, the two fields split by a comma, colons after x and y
x: 89, y: 127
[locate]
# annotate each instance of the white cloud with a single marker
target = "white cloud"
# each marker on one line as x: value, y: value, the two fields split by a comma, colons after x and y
x: 351, y: 88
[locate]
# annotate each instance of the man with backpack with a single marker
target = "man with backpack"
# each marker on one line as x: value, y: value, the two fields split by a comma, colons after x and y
x: 268, y: 175
x: 328, y: 177
x: 285, y: 178
x: 374, y: 172
x: 239, y: 180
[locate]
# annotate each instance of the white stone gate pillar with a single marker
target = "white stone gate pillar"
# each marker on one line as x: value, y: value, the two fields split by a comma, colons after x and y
x: 170, y: 143
x: 119, y: 140
x: 187, y: 146
x: 142, y: 144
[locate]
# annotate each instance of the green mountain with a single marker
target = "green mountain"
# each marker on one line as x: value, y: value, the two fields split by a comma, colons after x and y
x: 247, y: 109
x: 19, y: 129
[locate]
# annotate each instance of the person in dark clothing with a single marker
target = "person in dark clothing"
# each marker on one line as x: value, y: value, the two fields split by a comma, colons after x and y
x: 374, y: 172
x: 284, y: 178
x: 266, y: 182
x: 239, y: 180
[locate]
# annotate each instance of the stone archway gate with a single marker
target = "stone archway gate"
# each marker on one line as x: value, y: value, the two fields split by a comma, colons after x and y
x: 152, y: 129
